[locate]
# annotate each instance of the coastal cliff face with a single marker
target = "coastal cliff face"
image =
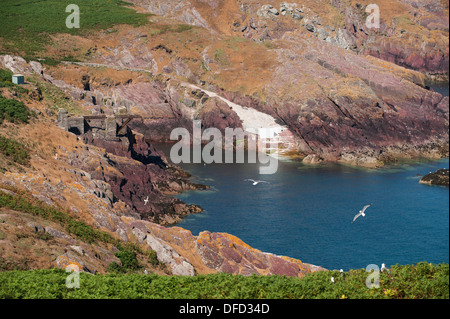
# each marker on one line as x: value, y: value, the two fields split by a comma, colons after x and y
x: 80, y: 199
x: 79, y: 181
x: 144, y: 181
x: 347, y: 93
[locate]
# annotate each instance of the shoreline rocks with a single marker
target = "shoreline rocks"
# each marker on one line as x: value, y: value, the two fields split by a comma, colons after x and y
x: 440, y: 178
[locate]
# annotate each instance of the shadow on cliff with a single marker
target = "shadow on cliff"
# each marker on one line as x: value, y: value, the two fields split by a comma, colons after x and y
x: 139, y: 176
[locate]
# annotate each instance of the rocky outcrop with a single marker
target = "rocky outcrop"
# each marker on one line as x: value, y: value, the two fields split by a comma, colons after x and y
x: 396, y: 42
x: 380, y: 120
x: 177, y: 249
x: 181, y: 10
x: 440, y: 177
x: 145, y: 181
x: 311, y: 75
x: 166, y: 254
x: 226, y: 253
x: 341, y: 104
x: 216, y: 113
x: 413, y: 34
x: 218, y: 252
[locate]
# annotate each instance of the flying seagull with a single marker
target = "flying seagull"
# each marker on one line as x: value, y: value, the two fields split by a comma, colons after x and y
x: 255, y: 182
x: 361, y: 213
x: 146, y: 201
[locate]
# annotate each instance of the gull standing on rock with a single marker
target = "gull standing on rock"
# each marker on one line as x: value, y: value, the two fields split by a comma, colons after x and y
x: 361, y: 213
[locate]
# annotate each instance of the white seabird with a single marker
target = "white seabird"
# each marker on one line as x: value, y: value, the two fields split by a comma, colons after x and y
x: 146, y: 201
x: 383, y: 267
x: 361, y: 213
x: 255, y: 182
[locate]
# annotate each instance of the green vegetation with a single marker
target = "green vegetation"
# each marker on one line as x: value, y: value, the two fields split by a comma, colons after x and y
x: 183, y: 28
x: 14, y: 151
x: 128, y: 261
x: 28, y: 24
x: 5, y: 78
x: 16, y: 111
x: 421, y: 281
x: 13, y: 111
x: 158, y: 29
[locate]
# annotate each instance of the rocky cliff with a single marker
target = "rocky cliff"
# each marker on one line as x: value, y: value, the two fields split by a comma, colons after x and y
x: 345, y: 92
x: 64, y: 183
x: 81, y: 199
x: 413, y: 34
x: 144, y: 181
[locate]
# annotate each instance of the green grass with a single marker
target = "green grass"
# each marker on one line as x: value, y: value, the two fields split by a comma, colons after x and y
x: 14, y: 151
x: 421, y: 281
x: 27, y: 24
x: 183, y: 28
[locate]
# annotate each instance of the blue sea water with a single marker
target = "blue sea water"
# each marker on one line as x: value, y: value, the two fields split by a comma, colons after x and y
x: 306, y: 212
x: 442, y: 88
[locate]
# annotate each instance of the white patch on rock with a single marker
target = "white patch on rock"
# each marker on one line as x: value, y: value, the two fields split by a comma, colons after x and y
x: 166, y: 254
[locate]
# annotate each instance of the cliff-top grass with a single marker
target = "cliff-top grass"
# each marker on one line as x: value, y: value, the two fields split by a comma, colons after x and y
x: 27, y: 25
